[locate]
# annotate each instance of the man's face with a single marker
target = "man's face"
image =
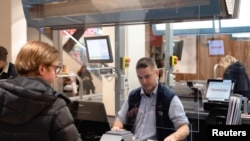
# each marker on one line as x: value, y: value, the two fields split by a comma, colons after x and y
x: 48, y: 73
x: 148, y: 78
x: 2, y: 64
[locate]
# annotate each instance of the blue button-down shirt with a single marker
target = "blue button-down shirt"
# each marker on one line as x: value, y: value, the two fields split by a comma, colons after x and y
x: 146, y: 119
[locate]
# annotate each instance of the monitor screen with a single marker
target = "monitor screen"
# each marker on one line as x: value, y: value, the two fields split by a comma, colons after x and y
x: 98, y: 49
x: 219, y: 90
x: 178, y: 47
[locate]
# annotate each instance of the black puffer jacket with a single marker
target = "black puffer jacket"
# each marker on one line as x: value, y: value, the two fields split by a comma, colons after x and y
x: 237, y: 71
x: 31, y: 111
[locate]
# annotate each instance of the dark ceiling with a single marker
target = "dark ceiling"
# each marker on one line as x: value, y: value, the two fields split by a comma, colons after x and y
x: 65, y: 14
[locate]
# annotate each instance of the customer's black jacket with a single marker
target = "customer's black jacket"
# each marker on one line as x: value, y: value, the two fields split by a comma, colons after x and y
x: 237, y: 71
x: 31, y: 111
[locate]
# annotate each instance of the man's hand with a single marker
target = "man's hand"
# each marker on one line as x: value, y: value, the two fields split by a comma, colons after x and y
x: 117, y: 125
x: 116, y: 128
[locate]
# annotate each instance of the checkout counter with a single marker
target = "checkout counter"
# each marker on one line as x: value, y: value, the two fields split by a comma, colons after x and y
x: 193, y: 105
x: 198, y: 123
x: 92, y: 122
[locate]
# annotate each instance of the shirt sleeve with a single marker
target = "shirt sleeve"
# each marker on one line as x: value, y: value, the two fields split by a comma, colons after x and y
x: 121, y: 115
x: 178, y: 115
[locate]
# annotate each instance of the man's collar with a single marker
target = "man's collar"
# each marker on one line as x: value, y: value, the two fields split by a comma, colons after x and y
x: 154, y: 91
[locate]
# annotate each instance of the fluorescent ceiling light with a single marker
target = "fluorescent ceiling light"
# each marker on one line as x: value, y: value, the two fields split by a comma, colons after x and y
x: 187, y: 25
x: 241, y: 35
x: 193, y: 25
x: 243, y: 19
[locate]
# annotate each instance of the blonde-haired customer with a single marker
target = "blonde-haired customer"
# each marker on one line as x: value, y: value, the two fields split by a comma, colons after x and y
x: 30, y: 108
x: 227, y: 61
x: 234, y: 69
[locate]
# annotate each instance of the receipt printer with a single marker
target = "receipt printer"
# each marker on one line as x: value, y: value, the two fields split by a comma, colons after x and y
x: 117, y: 136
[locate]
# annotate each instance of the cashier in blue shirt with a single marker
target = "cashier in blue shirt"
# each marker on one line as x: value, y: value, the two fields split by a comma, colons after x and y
x: 152, y: 111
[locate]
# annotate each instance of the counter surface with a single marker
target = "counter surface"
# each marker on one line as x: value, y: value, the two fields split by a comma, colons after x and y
x: 202, y: 115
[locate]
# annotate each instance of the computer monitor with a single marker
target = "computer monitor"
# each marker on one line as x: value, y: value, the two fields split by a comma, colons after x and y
x: 98, y: 49
x: 219, y: 90
x: 177, y: 49
x: 90, y: 119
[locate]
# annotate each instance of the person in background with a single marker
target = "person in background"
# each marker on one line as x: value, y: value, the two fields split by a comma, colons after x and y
x: 7, y: 69
x: 235, y: 70
x: 152, y: 111
x: 30, y: 108
x: 86, y: 79
x: 159, y: 60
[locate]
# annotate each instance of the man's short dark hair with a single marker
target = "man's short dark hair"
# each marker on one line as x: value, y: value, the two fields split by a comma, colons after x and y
x: 146, y: 62
x: 3, y: 53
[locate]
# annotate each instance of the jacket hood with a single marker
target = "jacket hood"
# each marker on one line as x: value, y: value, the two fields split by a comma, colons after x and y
x: 22, y: 99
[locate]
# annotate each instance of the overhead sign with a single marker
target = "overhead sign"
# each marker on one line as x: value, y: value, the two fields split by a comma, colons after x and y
x: 216, y: 47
